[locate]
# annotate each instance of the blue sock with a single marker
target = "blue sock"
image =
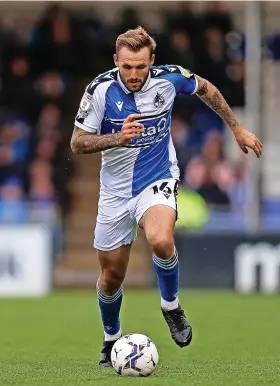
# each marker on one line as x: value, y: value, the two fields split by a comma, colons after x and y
x: 110, y: 306
x: 167, y: 272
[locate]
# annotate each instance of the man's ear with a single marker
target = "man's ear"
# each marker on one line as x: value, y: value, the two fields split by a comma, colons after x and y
x: 153, y: 59
x: 116, y: 60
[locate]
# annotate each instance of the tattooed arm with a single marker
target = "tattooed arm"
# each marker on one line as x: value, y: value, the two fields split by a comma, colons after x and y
x: 83, y: 142
x: 210, y: 95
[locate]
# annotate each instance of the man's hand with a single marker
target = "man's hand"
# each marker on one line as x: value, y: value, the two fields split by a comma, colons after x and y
x: 130, y: 129
x: 246, y: 139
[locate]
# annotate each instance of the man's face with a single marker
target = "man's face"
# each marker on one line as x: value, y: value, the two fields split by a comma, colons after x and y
x: 134, y: 67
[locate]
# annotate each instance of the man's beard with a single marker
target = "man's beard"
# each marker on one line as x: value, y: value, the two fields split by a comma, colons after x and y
x: 134, y: 86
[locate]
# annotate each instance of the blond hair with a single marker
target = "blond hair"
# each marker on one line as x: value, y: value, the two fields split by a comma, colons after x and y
x: 135, y: 40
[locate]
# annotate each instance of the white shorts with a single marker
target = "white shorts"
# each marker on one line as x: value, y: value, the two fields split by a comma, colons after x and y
x: 118, y: 217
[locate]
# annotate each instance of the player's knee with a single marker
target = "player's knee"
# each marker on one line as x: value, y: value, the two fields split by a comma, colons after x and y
x: 162, y: 246
x: 110, y: 281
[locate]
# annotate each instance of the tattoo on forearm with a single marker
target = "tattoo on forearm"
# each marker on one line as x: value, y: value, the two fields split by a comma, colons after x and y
x: 210, y: 95
x: 203, y: 89
x: 91, y: 143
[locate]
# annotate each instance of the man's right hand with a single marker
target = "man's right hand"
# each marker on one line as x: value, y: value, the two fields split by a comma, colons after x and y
x: 130, y: 129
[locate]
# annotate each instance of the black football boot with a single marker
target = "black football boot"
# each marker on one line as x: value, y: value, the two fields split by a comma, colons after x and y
x: 105, y: 356
x: 180, y: 329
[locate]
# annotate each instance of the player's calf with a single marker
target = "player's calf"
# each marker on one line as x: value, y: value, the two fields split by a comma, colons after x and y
x: 110, y: 293
x: 110, y: 306
x: 110, y: 280
x: 167, y: 271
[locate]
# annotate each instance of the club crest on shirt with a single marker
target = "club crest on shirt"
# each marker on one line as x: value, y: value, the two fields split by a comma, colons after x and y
x: 159, y: 101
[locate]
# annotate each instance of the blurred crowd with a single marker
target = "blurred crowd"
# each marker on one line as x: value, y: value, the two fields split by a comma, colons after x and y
x: 43, y: 65
x: 35, y: 123
x: 44, y: 68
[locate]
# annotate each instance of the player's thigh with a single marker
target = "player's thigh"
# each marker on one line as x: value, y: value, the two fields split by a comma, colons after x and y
x: 157, y: 213
x: 158, y: 223
x: 114, y: 227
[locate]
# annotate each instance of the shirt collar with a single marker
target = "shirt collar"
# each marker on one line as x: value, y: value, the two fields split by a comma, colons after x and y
x: 125, y: 89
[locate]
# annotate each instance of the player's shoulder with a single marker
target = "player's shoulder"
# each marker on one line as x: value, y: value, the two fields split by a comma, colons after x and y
x: 106, y: 78
x: 167, y: 70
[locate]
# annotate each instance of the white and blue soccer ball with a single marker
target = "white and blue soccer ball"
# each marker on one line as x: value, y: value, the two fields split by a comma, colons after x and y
x: 134, y: 355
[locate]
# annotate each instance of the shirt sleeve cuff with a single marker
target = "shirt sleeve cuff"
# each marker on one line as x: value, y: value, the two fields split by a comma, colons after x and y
x: 92, y: 130
x: 196, y: 85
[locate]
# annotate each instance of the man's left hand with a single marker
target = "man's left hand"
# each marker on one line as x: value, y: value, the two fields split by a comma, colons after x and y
x: 246, y: 140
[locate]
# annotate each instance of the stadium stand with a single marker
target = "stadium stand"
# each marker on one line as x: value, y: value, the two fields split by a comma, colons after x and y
x: 46, y: 61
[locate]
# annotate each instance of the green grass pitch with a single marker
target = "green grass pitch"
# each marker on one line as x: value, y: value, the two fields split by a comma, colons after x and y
x: 56, y: 340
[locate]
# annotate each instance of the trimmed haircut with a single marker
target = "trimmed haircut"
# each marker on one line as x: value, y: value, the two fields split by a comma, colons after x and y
x: 135, y: 40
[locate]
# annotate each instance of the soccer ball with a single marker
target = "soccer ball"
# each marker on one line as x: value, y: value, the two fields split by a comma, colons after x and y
x: 134, y: 355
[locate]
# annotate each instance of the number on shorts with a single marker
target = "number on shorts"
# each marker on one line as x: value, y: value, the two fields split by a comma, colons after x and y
x: 163, y: 188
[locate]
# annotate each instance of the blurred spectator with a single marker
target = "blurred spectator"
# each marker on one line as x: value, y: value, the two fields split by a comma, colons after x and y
x: 14, y: 142
x: 43, y: 203
x: 129, y: 19
x: 182, y: 140
x: 214, y: 60
x: 183, y: 18
x: 49, y: 120
x: 16, y: 41
x: 52, y: 141
x: 209, y: 174
x: 54, y: 44
x: 236, y: 74
x: 52, y: 88
x: 179, y: 49
x: 42, y: 192
x: 41, y: 187
x: 17, y: 88
x: 13, y: 207
x: 217, y: 16
x: 237, y: 190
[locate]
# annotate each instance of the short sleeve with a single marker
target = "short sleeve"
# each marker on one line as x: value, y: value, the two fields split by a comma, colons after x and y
x: 91, y: 110
x: 184, y: 81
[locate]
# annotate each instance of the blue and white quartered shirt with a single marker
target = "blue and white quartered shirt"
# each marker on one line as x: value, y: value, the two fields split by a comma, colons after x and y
x: 128, y: 170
